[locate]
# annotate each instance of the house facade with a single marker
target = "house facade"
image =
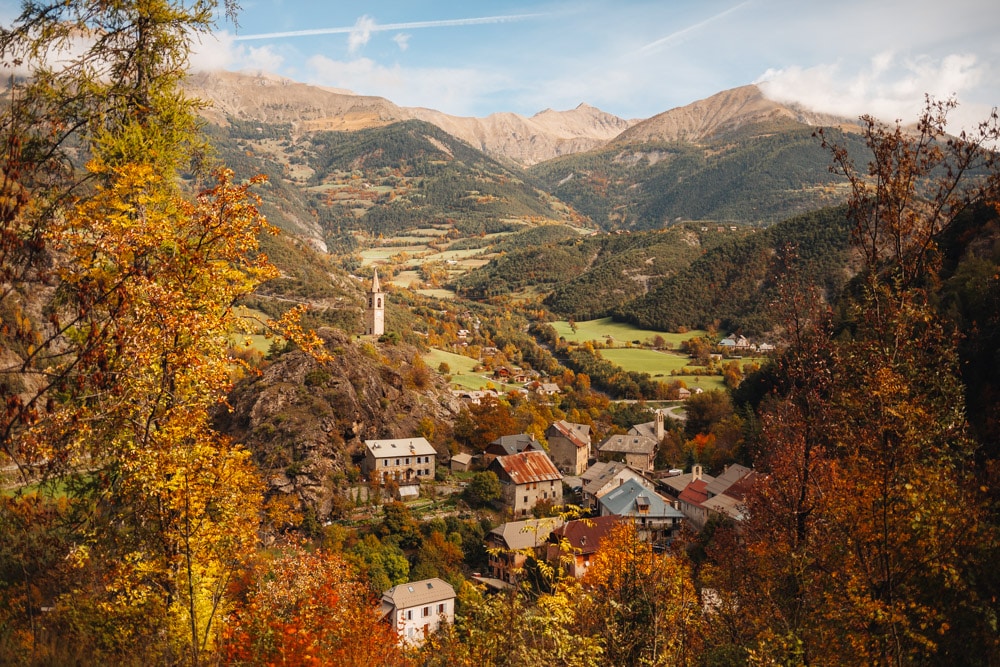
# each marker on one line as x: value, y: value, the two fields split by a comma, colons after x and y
x: 574, y: 544
x: 569, y: 446
x: 419, y: 608
x: 527, y: 478
x: 509, y: 545
x: 637, y: 451
x: 403, y: 460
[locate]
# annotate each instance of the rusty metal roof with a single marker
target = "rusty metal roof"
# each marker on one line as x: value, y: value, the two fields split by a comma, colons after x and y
x: 528, y: 467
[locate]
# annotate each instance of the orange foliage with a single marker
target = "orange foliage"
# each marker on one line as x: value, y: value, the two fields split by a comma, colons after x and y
x: 306, y: 609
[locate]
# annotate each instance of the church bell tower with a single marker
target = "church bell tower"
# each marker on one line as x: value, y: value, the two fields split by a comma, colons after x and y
x: 375, y: 312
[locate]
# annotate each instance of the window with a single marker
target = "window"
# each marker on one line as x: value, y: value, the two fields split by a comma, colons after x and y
x: 397, y: 461
x: 409, y: 614
x: 407, y: 461
x: 427, y: 611
x: 526, y: 499
x: 441, y: 608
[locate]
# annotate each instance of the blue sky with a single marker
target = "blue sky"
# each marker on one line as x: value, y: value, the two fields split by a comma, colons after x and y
x: 633, y: 58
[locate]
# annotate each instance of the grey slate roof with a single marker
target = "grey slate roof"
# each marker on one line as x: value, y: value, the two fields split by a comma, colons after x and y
x: 733, y: 474
x: 627, y: 498
x: 514, y: 444
x: 628, y: 444
x: 606, y: 472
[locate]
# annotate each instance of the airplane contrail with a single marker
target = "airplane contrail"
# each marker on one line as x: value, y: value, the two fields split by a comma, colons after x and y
x: 691, y: 28
x: 379, y: 27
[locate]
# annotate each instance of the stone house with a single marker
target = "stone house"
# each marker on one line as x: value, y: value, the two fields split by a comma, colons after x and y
x: 638, y: 451
x: 605, y: 476
x: 527, y: 478
x: 656, y: 520
x: 404, y: 460
x: 569, y: 446
x: 574, y: 544
x: 509, y: 545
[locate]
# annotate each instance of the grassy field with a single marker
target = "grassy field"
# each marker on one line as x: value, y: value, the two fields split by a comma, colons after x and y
x: 456, y: 362
x: 461, y: 371
x: 646, y: 361
x: 620, y: 332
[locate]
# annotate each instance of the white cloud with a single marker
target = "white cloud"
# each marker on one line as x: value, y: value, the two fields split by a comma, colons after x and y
x: 221, y: 51
x: 451, y: 90
x: 887, y: 87
x: 360, y: 34
x: 402, y: 41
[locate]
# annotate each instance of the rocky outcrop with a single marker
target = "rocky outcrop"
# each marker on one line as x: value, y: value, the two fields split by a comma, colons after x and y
x: 303, y: 420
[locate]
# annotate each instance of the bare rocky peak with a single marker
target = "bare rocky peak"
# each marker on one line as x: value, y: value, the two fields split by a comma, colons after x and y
x: 721, y: 114
x: 274, y: 99
x: 528, y: 141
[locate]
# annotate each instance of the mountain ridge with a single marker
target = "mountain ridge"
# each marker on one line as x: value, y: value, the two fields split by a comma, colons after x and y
x: 508, y: 136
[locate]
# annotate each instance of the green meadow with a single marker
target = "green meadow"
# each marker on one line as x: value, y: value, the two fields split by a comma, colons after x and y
x: 460, y: 368
x: 620, y: 333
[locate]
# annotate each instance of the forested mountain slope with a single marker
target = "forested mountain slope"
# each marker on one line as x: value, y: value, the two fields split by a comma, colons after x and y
x: 734, y: 284
x: 763, y: 177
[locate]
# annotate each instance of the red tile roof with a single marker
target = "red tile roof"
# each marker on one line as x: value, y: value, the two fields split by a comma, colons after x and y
x: 694, y: 493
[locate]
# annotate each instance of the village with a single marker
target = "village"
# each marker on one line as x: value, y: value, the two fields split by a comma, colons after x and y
x: 600, y: 485
x: 559, y: 499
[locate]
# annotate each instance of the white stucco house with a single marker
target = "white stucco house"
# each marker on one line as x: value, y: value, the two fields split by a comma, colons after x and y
x: 418, y: 608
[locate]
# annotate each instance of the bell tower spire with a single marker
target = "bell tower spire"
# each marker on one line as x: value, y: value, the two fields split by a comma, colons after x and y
x: 375, y: 312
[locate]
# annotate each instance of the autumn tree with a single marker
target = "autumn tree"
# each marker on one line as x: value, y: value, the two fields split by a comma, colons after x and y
x: 516, y: 628
x: 483, y: 489
x: 110, y: 393
x: 861, y: 543
x: 306, y: 608
x: 642, y: 605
